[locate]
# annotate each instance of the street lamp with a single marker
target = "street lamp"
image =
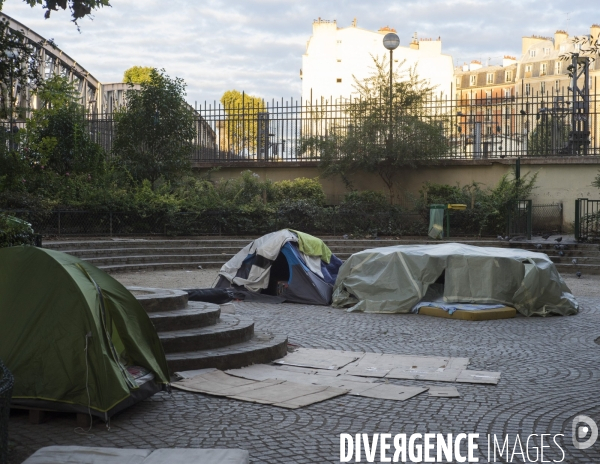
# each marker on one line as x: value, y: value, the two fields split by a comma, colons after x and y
x: 391, y: 42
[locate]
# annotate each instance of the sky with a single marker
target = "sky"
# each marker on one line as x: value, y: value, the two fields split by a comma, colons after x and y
x: 257, y: 45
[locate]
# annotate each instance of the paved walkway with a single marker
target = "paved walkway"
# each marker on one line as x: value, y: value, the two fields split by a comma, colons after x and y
x: 550, y: 373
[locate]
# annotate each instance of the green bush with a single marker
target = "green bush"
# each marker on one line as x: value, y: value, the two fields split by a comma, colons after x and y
x: 301, y: 188
x: 14, y: 232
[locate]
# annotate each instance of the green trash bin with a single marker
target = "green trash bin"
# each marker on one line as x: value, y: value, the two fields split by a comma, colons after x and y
x: 436, y: 221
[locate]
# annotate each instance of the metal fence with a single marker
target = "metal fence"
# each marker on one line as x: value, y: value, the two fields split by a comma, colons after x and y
x: 547, y: 218
x: 587, y: 219
x: 474, y: 124
x: 319, y: 221
x: 334, y: 220
x: 6, y: 385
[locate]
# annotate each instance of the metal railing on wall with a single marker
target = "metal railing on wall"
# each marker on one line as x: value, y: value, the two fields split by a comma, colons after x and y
x: 473, y: 126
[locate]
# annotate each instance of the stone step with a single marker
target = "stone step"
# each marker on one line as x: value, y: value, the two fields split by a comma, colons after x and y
x: 262, y: 348
x: 229, y: 330
x: 158, y: 266
x: 160, y: 299
x: 237, y: 243
x: 142, y: 259
x: 571, y: 269
x: 88, y: 254
x: 197, y: 314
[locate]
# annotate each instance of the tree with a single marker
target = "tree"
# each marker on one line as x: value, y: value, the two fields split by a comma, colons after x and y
x: 241, y: 123
x: 78, y: 8
x: 137, y: 74
x: 57, y: 136
x: 154, y: 129
x: 549, y: 137
x: 379, y: 139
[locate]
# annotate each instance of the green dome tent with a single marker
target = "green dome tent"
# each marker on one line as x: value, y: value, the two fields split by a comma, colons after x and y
x: 74, y: 338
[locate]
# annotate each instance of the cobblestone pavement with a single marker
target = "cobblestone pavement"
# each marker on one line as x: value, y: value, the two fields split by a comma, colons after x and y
x: 550, y: 373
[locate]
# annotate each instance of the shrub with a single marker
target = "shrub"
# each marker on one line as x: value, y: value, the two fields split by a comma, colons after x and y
x: 14, y: 232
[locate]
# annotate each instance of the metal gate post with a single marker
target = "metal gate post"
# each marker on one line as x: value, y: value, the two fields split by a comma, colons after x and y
x: 529, y: 217
x: 577, y: 220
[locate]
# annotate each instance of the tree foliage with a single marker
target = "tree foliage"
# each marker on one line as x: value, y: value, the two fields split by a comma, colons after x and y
x: 241, y: 123
x: 137, y: 74
x: 58, y: 135
x: 78, y: 8
x: 154, y: 129
x: 550, y: 136
x: 381, y: 139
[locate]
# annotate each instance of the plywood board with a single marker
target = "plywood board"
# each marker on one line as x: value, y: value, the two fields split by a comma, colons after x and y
x: 290, y: 395
x: 388, y: 391
x: 319, y: 359
x: 483, y: 377
x: 423, y: 373
x: 444, y: 392
x: 276, y: 392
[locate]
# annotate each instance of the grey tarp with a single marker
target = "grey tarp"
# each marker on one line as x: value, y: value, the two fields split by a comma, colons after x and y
x: 394, y: 279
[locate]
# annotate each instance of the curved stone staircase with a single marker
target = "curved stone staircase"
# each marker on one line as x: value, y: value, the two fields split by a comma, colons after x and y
x: 122, y: 255
x: 196, y: 335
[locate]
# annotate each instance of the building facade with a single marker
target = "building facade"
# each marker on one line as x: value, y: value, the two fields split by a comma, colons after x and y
x: 336, y: 56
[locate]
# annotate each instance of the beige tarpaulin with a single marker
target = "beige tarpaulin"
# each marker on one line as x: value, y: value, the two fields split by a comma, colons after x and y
x: 394, y: 279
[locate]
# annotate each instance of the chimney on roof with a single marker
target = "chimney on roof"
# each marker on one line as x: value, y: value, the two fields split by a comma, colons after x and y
x: 559, y: 38
x: 475, y: 65
x: 465, y: 67
x: 508, y: 60
x: 594, y: 32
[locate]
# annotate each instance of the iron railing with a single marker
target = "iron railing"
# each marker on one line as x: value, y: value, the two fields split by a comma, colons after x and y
x: 6, y: 386
x: 587, y: 219
x: 474, y: 125
x: 523, y: 218
x: 319, y: 221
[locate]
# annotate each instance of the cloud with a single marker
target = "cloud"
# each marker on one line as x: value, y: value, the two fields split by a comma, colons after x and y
x: 257, y: 46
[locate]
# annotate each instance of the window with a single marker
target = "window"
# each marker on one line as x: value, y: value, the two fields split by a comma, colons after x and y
x: 490, y: 78
x: 488, y: 114
x: 532, y: 53
x: 558, y: 67
x: 473, y: 79
x: 542, y: 87
x: 488, y: 130
x: 488, y: 95
x: 557, y: 85
x: 508, y: 76
x: 543, y: 69
x: 577, y: 47
x: 563, y: 47
x: 527, y: 89
x: 546, y: 51
x: 458, y: 82
x: 528, y: 68
x: 506, y: 93
x: 339, y: 80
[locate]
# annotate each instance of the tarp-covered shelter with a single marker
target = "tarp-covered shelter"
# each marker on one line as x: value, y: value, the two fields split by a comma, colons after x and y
x: 394, y: 279
x: 290, y: 264
x: 74, y: 338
